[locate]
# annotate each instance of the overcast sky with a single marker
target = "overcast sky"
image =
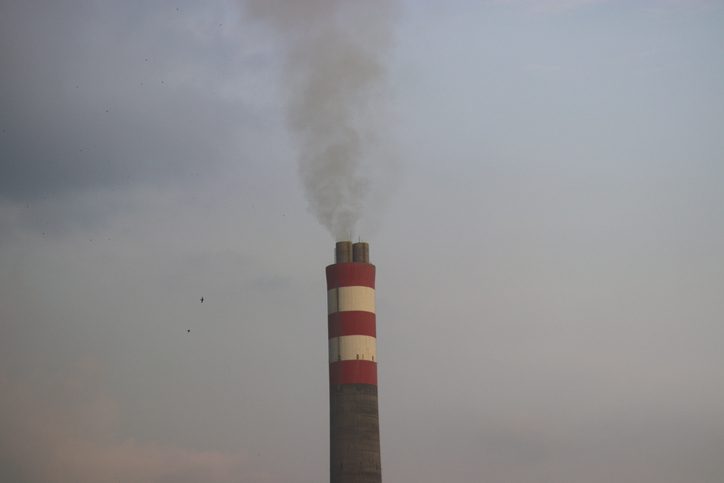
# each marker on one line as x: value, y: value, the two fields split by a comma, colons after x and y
x: 545, y: 210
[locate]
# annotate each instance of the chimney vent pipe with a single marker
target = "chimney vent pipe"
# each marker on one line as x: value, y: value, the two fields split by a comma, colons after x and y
x: 343, y: 252
x: 361, y: 252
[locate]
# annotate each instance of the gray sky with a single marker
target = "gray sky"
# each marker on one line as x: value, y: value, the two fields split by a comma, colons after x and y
x: 549, y: 243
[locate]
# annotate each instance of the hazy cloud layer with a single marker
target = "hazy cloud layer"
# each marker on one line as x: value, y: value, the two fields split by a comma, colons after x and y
x: 71, y: 428
x: 95, y: 95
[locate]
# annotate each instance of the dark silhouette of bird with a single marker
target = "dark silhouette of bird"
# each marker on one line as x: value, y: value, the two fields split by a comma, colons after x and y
x: 202, y: 300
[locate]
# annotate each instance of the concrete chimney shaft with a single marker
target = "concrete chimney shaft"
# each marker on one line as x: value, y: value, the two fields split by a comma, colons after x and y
x: 353, y: 407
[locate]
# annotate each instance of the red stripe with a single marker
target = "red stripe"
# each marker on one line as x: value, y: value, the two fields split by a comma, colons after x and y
x: 350, y: 275
x: 351, y: 323
x: 353, y: 372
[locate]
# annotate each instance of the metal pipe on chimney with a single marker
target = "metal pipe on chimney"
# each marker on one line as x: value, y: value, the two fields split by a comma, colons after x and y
x: 343, y: 252
x: 361, y: 252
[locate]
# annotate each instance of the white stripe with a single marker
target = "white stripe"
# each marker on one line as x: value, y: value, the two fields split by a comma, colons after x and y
x: 352, y: 347
x: 344, y: 299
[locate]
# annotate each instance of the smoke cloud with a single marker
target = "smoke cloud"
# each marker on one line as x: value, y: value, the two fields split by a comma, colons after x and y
x: 333, y: 77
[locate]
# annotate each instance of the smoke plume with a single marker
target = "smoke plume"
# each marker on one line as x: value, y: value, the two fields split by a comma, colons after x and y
x: 333, y: 75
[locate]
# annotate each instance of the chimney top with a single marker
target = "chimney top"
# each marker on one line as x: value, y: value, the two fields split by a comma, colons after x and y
x: 346, y: 251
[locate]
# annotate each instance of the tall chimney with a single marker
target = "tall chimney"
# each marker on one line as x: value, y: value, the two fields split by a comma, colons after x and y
x: 354, y: 429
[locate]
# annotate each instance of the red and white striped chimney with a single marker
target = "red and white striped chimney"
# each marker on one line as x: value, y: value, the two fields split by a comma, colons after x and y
x: 354, y: 419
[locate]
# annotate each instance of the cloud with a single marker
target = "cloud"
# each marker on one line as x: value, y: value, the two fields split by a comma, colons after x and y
x: 567, y: 5
x: 64, y: 431
x: 95, y: 97
x: 550, y: 5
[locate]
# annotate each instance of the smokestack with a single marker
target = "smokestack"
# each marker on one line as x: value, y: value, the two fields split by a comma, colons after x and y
x: 354, y: 430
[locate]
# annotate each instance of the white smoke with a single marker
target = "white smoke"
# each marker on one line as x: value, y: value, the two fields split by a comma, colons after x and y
x: 333, y: 75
